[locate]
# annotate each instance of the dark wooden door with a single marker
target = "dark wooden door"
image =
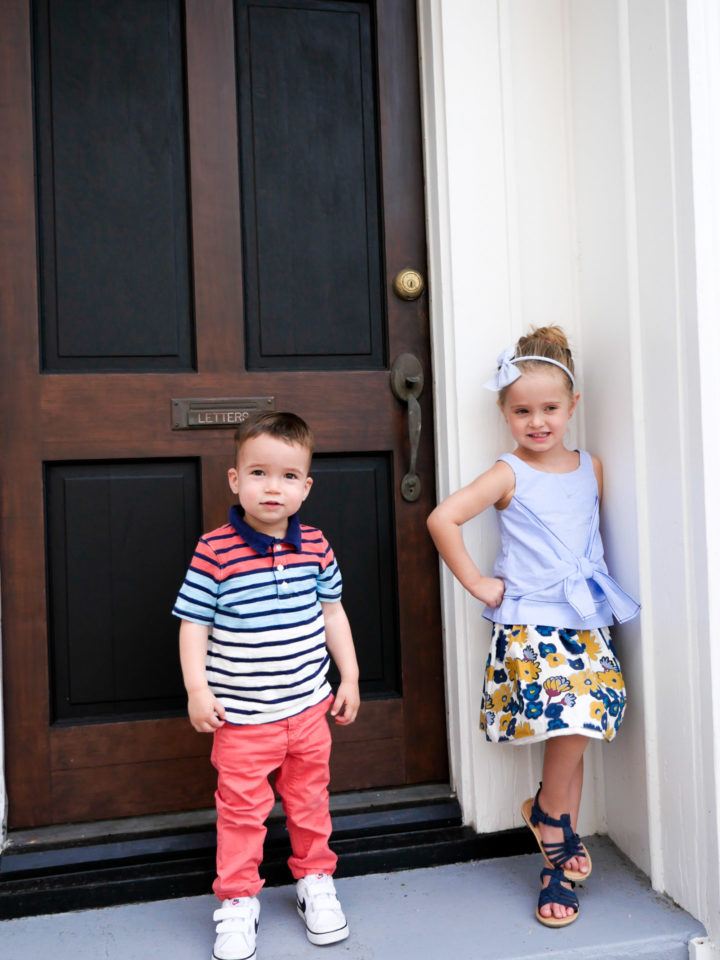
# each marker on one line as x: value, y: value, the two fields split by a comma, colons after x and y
x: 201, y: 200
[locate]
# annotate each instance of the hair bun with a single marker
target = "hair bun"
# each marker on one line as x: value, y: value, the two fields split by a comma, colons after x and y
x: 550, y: 334
x: 548, y: 342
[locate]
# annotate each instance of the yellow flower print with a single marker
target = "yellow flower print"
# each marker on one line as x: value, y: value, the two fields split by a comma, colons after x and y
x: 489, y: 673
x: 555, y: 659
x: 500, y: 697
x: 592, y: 647
x: 526, y: 670
x: 584, y: 681
x: 510, y: 668
x: 505, y: 721
x: 523, y: 729
x: 483, y: 724
x: 596, y: 711
x: 556, y: 685
x: 517, y: 634
x: 611, y: 678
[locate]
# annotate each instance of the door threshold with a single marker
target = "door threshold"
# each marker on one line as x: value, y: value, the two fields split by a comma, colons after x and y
x: 94, y: 831
x: 79, y: 866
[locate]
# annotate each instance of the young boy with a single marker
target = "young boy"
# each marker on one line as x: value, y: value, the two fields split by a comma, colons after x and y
x: 260, y: 609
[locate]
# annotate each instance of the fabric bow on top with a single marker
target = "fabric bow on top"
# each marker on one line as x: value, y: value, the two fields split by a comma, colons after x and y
x: 506, y: 372
x: 578, y: 595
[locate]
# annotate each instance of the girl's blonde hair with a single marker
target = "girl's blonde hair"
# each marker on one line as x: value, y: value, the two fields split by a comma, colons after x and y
x: 549, y: 342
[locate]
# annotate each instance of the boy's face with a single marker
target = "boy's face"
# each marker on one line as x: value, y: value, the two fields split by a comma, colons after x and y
x: 271, y: 481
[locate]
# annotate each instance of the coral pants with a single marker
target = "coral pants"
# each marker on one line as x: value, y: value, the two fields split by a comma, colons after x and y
x: 244, y: 756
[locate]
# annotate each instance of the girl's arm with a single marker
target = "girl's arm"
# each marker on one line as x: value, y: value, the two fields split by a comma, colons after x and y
x: 339, y: 641
x: 597, y: 467
x: 495, y: 486
x: 206, y: 712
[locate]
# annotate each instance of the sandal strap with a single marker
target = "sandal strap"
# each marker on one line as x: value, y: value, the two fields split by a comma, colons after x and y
x: 562, y: 851
x: 558, y: 852
x: 538, y: 815
x: 555, y: 892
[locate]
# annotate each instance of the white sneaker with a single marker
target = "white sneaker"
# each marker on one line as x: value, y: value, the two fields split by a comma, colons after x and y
x: 318, y: 905
x: 237, y: 929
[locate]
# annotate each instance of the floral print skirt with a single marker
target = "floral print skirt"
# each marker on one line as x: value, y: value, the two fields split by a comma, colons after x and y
x: 543, y: 682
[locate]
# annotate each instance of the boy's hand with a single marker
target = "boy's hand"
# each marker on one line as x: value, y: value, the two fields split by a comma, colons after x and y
x: 206, y: 712
x: 347, y: 703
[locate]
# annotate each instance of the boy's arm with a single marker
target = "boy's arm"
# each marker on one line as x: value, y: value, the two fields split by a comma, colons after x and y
x: 206, y: 712
x: 338, y: 638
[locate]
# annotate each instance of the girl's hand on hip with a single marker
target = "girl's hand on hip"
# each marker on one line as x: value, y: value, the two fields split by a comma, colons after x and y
x: 490, y: 590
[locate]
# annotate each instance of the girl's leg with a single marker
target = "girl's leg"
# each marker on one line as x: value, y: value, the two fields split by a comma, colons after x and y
x: 562, y: 780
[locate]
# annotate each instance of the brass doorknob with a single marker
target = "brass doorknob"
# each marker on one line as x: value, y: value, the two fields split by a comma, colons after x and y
x: 409, y: 284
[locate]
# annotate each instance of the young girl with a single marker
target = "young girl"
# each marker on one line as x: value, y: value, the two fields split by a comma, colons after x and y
x: 552, y: 673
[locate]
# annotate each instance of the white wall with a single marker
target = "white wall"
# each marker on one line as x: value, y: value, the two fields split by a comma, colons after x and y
x: 502, y: 257
x: 562, y: 186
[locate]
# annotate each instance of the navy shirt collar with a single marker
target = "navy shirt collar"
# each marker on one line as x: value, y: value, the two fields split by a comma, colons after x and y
x: 261, y: 542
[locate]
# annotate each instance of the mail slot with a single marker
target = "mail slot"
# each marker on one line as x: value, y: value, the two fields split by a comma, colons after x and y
x: 197, y: 413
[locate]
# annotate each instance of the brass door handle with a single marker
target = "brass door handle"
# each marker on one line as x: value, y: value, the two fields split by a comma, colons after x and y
x: 409, y: 284
x: 406, y: 382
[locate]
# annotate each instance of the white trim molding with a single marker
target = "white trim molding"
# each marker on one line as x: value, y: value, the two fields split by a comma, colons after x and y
x: 701, y: 948
x: 572, y: 150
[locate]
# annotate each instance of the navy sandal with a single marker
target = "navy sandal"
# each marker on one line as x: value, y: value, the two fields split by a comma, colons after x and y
x: 556, y: 854
x: 555, y: 892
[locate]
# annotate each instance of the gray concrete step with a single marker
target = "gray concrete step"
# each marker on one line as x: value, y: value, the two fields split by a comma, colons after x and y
x: 471, y: 911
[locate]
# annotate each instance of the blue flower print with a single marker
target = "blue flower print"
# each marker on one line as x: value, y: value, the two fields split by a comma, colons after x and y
x: 501, y: 646
x: 549, y: 681
x: 616, y: 705
x: 566, y: 639
x: 534, y: 709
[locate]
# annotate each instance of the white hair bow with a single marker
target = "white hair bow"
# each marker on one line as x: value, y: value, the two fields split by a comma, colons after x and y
x: 507, y: 371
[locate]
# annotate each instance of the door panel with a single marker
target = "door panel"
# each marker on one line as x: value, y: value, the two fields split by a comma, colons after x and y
x: 110, y: 141
x: 291, y: 263
x: 309, y: 170
x: 117, y: 537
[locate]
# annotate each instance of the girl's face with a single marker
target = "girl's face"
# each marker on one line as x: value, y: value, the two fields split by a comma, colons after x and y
x: 538, y: 408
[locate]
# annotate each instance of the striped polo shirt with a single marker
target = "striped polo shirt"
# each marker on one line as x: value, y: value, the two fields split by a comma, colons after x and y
x: 266, y: 657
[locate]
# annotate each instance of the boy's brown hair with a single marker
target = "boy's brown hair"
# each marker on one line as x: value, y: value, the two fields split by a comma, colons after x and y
x: 282, y: 425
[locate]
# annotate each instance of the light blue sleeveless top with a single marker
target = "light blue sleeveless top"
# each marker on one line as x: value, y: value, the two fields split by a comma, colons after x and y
x: 551, y: 553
